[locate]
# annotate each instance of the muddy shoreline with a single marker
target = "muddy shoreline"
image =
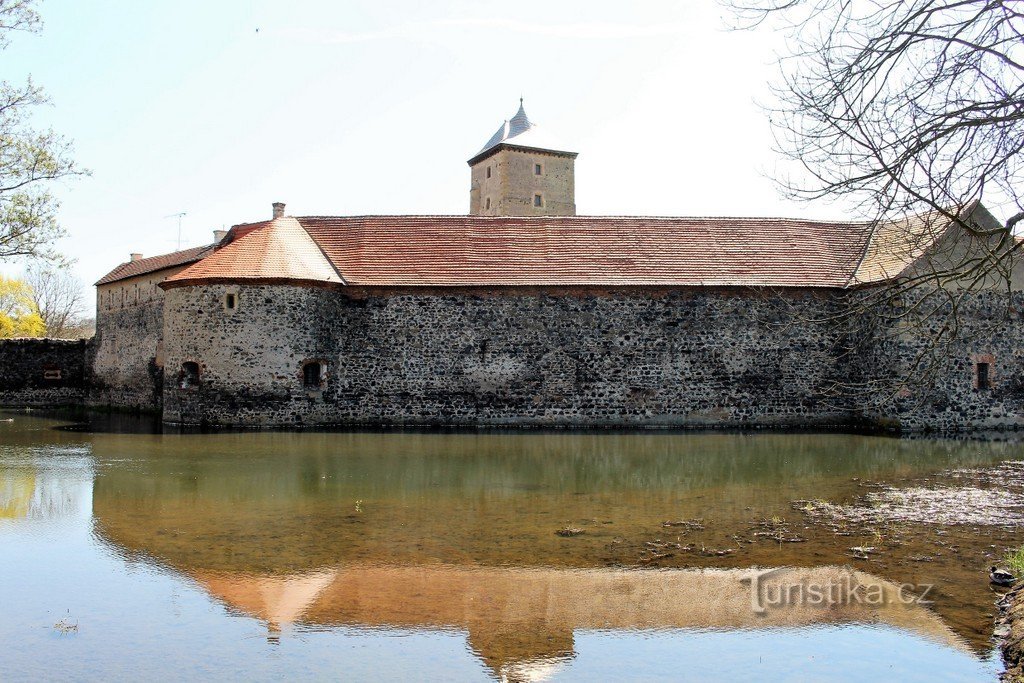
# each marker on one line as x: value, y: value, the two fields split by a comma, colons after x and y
x: 1010, y: 628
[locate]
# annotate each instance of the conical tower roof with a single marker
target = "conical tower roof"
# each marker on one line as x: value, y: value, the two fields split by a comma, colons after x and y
x: 519, y: 131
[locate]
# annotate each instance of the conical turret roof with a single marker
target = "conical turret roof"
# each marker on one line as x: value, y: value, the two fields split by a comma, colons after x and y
x: 521, y: 132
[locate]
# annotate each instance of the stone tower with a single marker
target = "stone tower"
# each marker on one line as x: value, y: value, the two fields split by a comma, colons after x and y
x: 520, y: 172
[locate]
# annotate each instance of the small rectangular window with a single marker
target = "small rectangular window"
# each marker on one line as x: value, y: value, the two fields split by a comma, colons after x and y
x: 488, y: 171
x: 488, y: 203
x: 312, y: 374
x: 230, y: 301
x: 538, y: 200
x: 537, y: 169
x: 984, y: 379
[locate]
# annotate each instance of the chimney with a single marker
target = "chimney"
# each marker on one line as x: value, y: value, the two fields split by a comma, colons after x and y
x: 136, y: 257
x: 218, y: 236
x: 278, y: 209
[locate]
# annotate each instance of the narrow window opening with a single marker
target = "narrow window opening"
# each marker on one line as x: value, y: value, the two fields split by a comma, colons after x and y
x: 538, y: 169
x: 488, y: 171
x: 188, y: 378
x: 312, y: 375
x: 230, y: 301
x: 487, y: 204
x: 538, y: 200
x: 983, y: 375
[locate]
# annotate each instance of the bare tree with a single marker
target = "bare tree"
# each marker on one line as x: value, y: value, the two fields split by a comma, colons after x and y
x: 910, y: 113
x: 29, y: 159
x: 58, y: 298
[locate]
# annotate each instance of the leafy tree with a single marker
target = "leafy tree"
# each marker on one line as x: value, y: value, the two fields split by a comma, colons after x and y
x: 19, y: 316
x: 29, y: 159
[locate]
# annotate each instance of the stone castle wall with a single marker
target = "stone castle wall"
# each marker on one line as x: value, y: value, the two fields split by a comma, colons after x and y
x: 939, y: 391
x: 128, y: 369
x: 700, y: 357
x: 127, y: 372
x: 44, y: 372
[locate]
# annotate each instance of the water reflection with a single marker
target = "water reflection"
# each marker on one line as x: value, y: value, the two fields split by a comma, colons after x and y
x: 308, y: 533
x: 519, y: 617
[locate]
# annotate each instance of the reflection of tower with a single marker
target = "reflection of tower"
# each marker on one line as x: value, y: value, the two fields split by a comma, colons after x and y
x: 278, y: 601
x: 522, y: 652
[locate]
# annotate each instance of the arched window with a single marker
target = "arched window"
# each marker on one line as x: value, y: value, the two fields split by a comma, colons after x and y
x: 188, y: 378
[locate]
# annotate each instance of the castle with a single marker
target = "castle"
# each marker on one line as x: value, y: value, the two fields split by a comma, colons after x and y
x: 524, y: 313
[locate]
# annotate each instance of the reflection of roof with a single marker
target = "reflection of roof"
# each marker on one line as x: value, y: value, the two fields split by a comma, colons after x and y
x: 530, y: 615
x: 154, y: 263
x: 519, y: 131
x: 600, y: 251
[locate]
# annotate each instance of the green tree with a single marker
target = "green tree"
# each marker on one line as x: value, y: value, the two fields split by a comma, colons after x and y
x: 30, y: 159
x: 19, y: 315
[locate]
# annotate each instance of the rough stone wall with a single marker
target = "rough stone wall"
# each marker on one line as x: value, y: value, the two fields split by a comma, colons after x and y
x: 701, y: 357
x: 937, y: 389
x: 514, y: 182
x: 44, y: 372
x: 129, y: 331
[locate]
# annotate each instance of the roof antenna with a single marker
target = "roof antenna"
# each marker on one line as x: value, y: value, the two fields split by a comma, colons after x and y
x: 179, y: 217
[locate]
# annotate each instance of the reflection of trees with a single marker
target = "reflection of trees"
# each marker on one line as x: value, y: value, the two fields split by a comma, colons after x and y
x: 303, y: 466
x: 16, y: 489
x: 41, y: 493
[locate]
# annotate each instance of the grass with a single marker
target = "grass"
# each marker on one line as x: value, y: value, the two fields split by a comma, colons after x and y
x: 1014, y: 560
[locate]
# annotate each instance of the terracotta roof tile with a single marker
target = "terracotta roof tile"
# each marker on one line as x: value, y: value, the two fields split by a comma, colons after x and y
x: 565, y: 251
x: 155, y: 263
x: 588, y: 250
x: 275, y: 250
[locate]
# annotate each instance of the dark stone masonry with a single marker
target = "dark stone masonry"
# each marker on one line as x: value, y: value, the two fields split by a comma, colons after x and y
x: 697, y: 357
x: 44, y: 372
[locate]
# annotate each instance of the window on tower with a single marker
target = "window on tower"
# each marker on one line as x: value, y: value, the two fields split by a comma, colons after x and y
x: 538, y: 200
x: 487, y: 203
x: 538, y: 169
x: 488, y: 171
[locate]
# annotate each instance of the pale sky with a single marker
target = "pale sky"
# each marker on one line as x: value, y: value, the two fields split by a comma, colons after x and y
x: 219, y: 108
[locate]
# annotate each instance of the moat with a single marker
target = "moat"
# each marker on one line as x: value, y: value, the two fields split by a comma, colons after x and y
x: 482, y: 556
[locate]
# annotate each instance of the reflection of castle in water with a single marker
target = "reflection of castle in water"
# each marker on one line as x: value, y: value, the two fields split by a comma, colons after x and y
x: 462, y: 539
x: 521, y: 622
x: 518, y: 618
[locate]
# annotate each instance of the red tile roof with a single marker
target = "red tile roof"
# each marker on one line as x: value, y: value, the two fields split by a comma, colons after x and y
x: 152, y: 264
x: 275, y: 250
x: 448, y: 251
x: 587, y: 250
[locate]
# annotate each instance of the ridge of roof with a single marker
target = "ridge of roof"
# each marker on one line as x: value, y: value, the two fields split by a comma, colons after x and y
x: 152, y: 264
x: 582, y: 217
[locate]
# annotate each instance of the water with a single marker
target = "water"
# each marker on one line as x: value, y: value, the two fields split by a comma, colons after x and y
x: 413, y: 556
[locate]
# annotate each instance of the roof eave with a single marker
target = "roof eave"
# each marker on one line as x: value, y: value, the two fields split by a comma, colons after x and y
x: 490, y: 151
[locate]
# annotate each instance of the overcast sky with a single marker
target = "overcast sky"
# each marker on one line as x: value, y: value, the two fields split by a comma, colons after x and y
x: 219, y: 108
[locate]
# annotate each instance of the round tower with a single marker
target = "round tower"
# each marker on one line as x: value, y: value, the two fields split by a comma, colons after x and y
x: 521, y: 172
